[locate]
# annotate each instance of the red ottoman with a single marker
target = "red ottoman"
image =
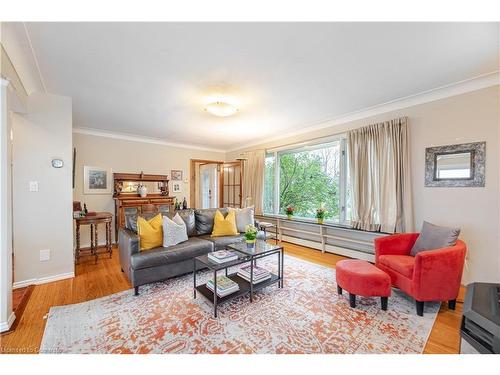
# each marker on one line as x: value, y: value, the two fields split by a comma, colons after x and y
x: 362, y: 278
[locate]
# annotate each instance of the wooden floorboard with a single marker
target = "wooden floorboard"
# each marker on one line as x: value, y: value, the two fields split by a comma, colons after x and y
x: 98, y: 280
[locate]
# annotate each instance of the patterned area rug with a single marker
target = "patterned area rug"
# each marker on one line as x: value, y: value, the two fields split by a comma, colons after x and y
x: 306, y: 316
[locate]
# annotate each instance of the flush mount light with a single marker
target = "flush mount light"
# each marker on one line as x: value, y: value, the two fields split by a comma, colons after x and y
x: 221, y: 108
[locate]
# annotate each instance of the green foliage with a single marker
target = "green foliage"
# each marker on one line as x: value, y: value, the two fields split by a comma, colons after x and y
x: 269, y: 185
x: 250, y: 232
x: 307, y: 181
x: 320, y: 213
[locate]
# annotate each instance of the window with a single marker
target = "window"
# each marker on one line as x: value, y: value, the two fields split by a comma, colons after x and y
x: 307, y: 178
x: 269, y: 184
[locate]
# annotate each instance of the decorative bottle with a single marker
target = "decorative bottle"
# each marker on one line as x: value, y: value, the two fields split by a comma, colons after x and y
x: 184, y: 204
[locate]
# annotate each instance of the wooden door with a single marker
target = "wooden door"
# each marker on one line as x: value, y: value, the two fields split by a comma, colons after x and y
x: 231, y: 184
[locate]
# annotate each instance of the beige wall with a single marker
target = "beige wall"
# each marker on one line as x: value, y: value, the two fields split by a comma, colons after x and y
x: 42, y: 220
x: 132, y: 157
x: 469, y: 117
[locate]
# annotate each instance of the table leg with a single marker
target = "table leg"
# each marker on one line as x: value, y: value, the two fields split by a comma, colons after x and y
x: 279, y: 269
x: 251, y: 281
x: 77, y: 250
x: 108, y: 238
x: 92, y: 239
x: 282, y: 267
x: 215, y: 294
x: 194, y: 278
x: 95, y: 243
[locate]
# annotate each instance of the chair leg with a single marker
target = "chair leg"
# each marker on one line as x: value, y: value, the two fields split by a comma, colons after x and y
x: 452, y: 304
x: 352, y: 300
x: 136, y: 291
x: 339, y: 289
x: 420, y: 308
x: 383, y: 301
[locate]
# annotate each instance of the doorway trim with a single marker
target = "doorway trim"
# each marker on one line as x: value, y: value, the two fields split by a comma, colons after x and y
x: 193, y: 182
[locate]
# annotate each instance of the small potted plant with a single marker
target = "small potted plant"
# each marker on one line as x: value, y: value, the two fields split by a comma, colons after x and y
x: 320, y: 215
x: 250, y: 235
x: 289, y: 212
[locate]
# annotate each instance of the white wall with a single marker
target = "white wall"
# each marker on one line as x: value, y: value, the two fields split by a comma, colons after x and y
x: 124, y: 156
x: 469, y: 117
x: 43, y: 219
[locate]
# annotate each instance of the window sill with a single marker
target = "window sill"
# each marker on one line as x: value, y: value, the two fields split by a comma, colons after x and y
x: 305, y: 220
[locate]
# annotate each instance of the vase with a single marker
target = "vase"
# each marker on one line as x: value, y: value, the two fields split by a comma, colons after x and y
x: 142, y: 190
x: 250, y: 243
x: 289, y: 216
x: 320, y: 221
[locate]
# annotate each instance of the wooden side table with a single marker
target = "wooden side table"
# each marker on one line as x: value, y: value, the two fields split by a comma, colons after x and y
x: 94, y: 221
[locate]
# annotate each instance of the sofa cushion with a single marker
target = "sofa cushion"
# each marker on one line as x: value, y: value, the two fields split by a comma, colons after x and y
x: 244, y: 217
x: 131, y: 220
x: 174, y: 231
x: 225, y: 226
x: 150, y: 232
x: 402, y: 264
x: 189, y: 219
x: 161, y: 255
x: 434, y: 237
x: 205, y: 219
x: 221, y: 243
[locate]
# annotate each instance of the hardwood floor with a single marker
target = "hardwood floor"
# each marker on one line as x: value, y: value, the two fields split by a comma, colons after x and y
x: 94, y: 281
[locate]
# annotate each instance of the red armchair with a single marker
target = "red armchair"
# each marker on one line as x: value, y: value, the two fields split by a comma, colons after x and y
x: 432, y: 275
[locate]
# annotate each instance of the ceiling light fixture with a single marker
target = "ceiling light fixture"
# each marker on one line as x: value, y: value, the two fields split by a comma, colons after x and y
x: 221, y: 108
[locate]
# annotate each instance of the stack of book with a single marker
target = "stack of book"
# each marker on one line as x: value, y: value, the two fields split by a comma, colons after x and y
x: 259, y: 274
x: 222, y: 256
x: 225, y: 286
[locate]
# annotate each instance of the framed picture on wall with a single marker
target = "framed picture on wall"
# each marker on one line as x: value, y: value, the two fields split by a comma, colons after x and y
x: 97, y: 180
x: 176, y: 187
x: 176, y: 175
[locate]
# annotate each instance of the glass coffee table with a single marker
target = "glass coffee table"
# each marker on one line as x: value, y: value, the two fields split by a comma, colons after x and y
x: 246, y: 254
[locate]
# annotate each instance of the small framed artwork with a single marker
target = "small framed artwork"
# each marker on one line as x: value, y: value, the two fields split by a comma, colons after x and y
x: 176, y: 175
x: 97, y: 180
x: 176, y: 187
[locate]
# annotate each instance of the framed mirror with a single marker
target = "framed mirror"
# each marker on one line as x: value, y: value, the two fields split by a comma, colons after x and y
x: 459, y: 165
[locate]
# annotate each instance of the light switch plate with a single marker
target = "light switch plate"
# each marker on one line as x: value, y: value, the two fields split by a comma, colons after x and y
x: 33, y: 186
x: 44, y: 255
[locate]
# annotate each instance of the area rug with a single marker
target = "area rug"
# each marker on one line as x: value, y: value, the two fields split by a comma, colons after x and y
x: 306, y: 316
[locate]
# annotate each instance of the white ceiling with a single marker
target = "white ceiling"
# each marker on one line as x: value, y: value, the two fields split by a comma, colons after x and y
x: 150, y: 79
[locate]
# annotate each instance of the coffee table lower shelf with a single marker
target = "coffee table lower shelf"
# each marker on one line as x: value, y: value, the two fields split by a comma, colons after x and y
x: 242, y: 283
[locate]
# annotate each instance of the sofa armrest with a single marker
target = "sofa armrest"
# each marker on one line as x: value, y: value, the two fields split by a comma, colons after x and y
x: 396, y: 244
x: 128, y: 244
x: 437, y: 273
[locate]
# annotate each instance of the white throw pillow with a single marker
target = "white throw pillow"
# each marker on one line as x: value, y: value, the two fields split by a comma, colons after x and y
x: 174, y: 231
x: 244, y: 217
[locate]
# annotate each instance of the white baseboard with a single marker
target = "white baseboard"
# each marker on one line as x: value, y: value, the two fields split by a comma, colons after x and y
x: 330, y: 248
x: 5, y: 326
x: 43, y: 280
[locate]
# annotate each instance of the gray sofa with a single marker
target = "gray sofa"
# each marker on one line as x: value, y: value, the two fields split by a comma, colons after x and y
x: 144, y: 267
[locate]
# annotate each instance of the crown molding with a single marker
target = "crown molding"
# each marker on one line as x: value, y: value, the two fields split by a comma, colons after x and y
x: 137, y: 138
x: 35, y: 59
x: 454, y: 89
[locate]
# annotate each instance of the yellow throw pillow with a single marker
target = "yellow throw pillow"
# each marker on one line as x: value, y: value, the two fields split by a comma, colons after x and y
x: 150, y: 232
x: 224, y: 226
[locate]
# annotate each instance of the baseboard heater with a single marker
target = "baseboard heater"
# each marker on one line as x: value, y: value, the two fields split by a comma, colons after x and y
x: 480, y: 331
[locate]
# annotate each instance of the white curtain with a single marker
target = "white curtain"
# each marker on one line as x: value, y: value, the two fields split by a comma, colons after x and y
x: 379, y: 170
x: 253, y: 178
